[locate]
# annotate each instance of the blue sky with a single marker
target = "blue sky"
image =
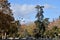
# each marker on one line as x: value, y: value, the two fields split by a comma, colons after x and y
x: 25, y: 9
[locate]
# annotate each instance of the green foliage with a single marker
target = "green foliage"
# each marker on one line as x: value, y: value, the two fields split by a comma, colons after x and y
x: 6, y: 26
x: 41, y: 23
x: 52, y: 32
x: 59, y: 17
x: 6, y: 19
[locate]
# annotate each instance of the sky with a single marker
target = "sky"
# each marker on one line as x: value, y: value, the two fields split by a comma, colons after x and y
x: 26, y: 9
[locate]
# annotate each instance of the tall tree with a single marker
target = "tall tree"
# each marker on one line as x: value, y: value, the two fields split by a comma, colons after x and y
x: 7, y: 22
x: 59, y: 17
x: 39, y: 15
x: 41, y: 23
x: 5, y: 7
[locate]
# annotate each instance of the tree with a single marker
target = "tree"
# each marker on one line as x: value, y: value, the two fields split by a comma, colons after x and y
x: 39, y: 15
x: 59, y: 17
x: 46, y: 22
x: 5, y: 7
x: 41, y: 23
x: 6, y: 19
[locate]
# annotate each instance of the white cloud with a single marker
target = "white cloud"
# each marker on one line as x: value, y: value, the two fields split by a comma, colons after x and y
x: 24, y: 10
x: 48, y: 6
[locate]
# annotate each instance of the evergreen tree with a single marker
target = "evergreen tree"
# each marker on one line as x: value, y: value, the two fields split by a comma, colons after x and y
x: 41, y: 23
x: 59, y: 17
